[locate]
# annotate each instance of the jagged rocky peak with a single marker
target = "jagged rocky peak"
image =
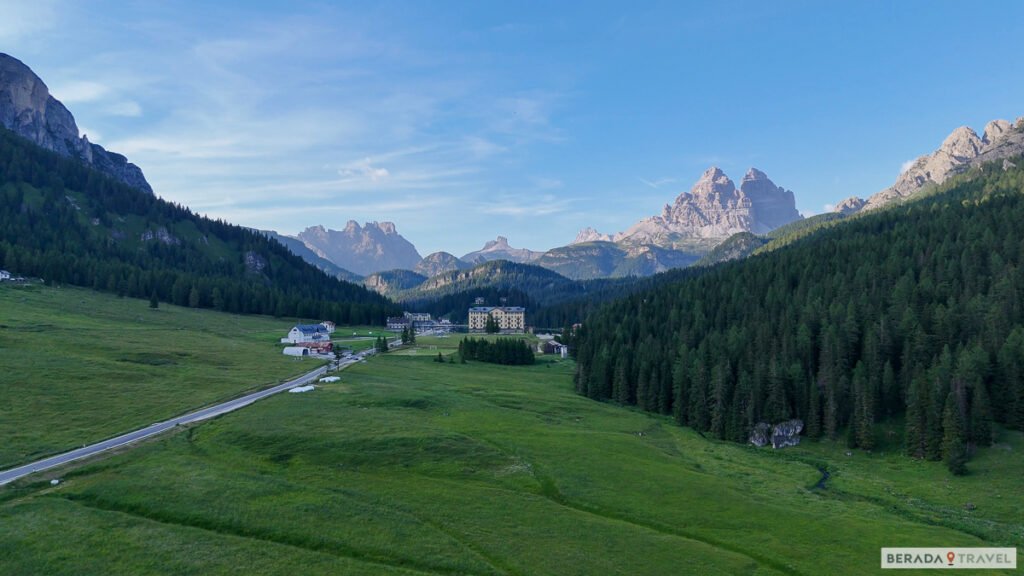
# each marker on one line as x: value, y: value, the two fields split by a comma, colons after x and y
x: 28, y: 109
x: 712, y: 182
x: 995, y: 130
x: 372, y: 247
x: 962, y: 144
x: 499, y: 249
x: 589, y: 234
x: 960, y: 150
x: 773, y: 205
x: 715, y: 209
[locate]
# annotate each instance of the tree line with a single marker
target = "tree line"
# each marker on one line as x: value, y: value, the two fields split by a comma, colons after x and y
x: 507, y: 351
x: 69, y: 224
x: 914, y: 312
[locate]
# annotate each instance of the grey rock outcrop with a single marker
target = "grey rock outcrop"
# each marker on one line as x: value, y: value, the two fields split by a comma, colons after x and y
x: 850, y: 205
x: 961, y: 150
x: 28, y: 109
x: 499, y: 249
x: 759, y: 436
x: 787, y: 433
x: 781, y: 435
x: 373, y: 247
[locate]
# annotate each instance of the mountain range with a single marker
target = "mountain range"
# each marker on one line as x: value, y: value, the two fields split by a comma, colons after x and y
x: 697, y: 221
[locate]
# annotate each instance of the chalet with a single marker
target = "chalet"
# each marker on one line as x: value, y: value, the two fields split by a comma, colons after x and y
x: 508, y: 318
x: 307, y: 333
x: 552, y: 347
x: 5, y: 275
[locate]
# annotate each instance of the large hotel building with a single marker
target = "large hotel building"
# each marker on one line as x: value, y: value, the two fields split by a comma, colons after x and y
x: 509, y: 318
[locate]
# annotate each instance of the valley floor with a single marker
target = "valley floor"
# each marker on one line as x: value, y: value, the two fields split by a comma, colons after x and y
x: 409, y: 466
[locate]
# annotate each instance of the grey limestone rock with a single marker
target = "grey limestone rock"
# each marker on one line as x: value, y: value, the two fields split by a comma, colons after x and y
x: 28, y: 110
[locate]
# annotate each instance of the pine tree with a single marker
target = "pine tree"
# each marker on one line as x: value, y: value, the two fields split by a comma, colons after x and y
x: 865, y: 407
x: 954, y: 448
x: 154, y: 302
x: 916, y: 418
x: 981, y: 416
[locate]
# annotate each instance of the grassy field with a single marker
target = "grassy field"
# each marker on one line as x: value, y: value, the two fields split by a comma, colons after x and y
x: 79, y: 366
x: 407, y: 466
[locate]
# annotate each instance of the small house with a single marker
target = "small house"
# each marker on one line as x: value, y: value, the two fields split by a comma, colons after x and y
x: 5, y: 275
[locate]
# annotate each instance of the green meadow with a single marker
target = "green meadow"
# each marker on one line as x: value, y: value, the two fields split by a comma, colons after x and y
x: 408, y: 466
x: 79, y: 366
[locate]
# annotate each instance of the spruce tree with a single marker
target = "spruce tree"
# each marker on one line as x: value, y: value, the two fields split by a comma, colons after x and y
x: 915, y: 434
x: 954, y: 447
x: 981, y: 416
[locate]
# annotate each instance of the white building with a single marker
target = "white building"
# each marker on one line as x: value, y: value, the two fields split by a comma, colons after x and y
x: 509, y: 318
x: 296, y: 351
x: 5, y: 275
x: 307, y: 333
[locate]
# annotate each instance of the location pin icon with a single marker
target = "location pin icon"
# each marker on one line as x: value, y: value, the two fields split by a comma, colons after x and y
x: 950, y: 556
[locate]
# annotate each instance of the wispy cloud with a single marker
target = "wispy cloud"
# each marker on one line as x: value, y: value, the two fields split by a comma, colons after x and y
x: 544, y: 205
x: 658, y: 183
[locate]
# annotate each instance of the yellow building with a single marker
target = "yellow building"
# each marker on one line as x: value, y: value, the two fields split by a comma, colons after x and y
x: 509, y: 318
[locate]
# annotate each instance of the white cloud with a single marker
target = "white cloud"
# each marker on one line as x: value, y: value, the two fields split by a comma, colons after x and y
x: 544, y: 205
x: 363, y: 170
x: 80, y: 91
x: 906, y: 165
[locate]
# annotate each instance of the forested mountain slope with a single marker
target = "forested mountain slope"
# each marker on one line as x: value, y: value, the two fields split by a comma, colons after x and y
x: 69, y: 224
x: 915, y: 311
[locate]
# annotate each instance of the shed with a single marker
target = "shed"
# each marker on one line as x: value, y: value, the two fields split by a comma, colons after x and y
x: 296, y: 351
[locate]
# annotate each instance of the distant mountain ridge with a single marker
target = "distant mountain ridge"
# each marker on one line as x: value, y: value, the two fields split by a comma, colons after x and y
x: 28, y: 110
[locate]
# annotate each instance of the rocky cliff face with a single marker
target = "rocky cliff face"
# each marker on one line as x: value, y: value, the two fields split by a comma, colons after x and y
x: 438, y: 262
x: 960, y: 150
x: 366, y: 249
x: 499, y: 249
x: 28, y: 109
x: 711, y: 211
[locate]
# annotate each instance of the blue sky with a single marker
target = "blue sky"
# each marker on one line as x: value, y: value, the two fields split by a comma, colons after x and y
x: 460, y: 121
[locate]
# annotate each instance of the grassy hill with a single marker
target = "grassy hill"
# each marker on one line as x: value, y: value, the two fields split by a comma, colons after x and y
x: 80, y: 366
x: 408, y: 466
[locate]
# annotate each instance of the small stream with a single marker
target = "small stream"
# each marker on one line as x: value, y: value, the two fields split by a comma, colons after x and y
x: 824, y: 476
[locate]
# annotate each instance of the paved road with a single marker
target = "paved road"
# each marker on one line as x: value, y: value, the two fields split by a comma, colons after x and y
x: 197, y: 416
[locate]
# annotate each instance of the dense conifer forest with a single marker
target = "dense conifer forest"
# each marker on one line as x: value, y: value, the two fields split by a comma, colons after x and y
x: 69, y: 224
x: 914, y: 313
